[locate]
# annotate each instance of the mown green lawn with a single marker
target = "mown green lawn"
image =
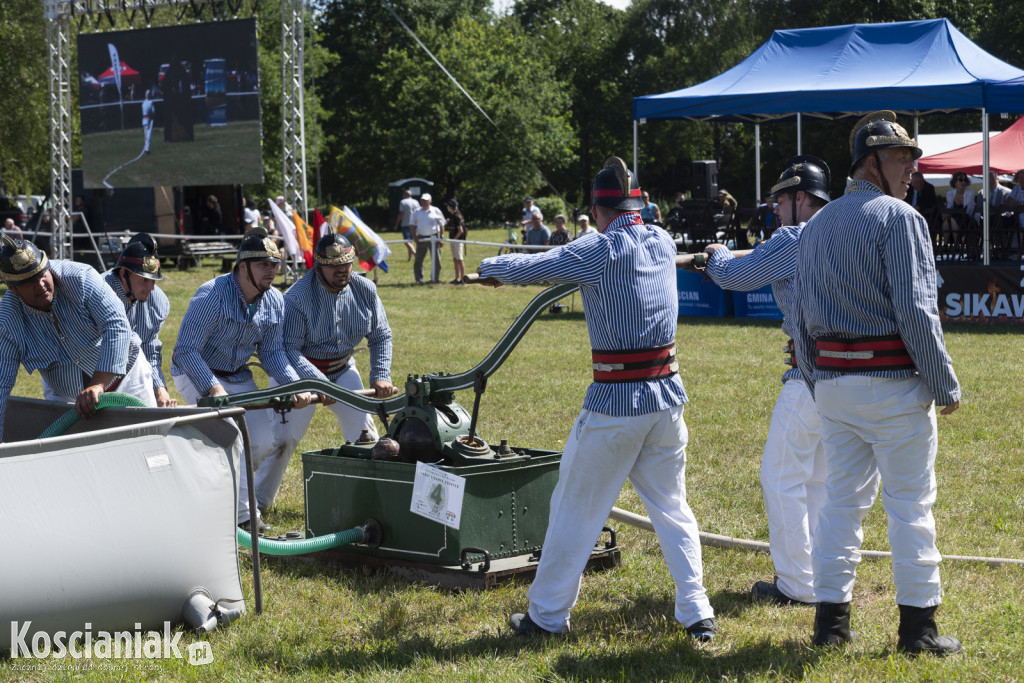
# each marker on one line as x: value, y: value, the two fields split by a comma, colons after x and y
x: 321, y: 622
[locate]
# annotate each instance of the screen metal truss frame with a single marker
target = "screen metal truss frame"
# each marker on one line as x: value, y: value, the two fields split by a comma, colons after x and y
x: 58, y: 14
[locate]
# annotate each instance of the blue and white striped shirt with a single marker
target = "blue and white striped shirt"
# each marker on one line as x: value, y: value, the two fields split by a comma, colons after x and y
x: 866, y: 268
x: 146, y: 318
x: 324, y: 325
x: 627, y: 279
x: 217, y: 334
x: 86, y: 331
x: 771, y: 262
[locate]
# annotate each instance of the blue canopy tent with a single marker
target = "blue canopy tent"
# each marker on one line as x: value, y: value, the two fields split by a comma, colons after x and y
x: 1007, y: 96
x: 912, y: 67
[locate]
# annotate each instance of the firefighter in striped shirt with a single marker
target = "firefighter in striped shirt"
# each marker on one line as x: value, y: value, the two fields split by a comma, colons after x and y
x: 871, y: 348
x: 793, y: 465
x: 632, y: 423
x: 327, y: 314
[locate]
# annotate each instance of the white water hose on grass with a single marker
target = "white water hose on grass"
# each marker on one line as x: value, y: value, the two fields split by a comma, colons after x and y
x: 728, y: 542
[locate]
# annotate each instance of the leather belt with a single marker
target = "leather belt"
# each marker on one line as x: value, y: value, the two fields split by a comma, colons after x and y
x: 330, y: 366
x: 224, y: 374
x: 637, y: 365
x: 790, y: 351
x: 862, y: 354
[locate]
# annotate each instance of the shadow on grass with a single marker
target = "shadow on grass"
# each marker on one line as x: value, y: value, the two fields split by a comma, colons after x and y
x: 579, y: 655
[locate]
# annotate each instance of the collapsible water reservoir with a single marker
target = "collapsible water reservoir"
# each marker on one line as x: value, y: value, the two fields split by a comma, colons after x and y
x: 119, y: 524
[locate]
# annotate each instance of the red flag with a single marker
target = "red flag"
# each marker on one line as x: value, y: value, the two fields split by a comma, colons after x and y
x: 320, y: 225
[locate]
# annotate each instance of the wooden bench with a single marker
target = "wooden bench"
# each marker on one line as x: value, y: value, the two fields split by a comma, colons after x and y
x: 192, y: 252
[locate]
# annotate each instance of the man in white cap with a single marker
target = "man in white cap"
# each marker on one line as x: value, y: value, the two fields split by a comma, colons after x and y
x: 429, y: 221
x: 585, y: 228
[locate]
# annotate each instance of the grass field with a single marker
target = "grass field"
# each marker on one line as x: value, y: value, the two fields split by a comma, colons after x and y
x: 321, y: 622
x: 218, y: 155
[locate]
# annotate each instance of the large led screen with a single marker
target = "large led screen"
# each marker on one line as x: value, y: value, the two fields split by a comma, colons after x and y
x: 178, y: 105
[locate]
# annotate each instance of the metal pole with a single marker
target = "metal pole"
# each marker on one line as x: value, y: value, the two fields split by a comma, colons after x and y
x: 635, y: 148
x: 57, y: 30
x: 293, y: 128
x: 986, y: 233
x: 257, y: 582
x: 757, y: 164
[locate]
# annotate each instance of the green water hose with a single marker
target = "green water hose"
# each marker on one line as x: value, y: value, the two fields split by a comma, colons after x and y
x: 304, y: 547
x: 107, y: 400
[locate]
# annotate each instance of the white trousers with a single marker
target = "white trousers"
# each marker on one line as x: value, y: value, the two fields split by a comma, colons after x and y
x: 793, y: 486
x: 287, y: 435
x: 600, y: 453
x: 138, y: 382
x: 258, y: 422
x: 147, y: 129
x: 873, y: 429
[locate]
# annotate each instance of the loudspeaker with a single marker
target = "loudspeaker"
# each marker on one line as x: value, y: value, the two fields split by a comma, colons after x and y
x: 705, y: 179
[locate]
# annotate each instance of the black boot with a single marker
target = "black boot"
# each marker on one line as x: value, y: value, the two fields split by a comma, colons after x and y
x: 918, y: 633
x: 832, y: 624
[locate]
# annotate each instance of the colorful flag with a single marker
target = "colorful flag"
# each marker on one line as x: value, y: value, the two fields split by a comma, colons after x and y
x: 320, y: 225
x: 371, y: 250
x: 286, y: 228
x: 304, y: 233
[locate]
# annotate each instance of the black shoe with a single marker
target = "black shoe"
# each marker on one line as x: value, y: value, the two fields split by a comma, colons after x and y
x: 918, y: 633
x: 455, y: 282
x: 832, y: 624
x: 703, y: 631
x: 523, y: 625
x: 764, y: 591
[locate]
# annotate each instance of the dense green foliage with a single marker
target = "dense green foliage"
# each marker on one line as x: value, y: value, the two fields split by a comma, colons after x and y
x: 554, y: 81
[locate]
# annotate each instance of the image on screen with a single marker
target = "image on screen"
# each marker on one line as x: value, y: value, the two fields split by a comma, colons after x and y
x: 177, y: 105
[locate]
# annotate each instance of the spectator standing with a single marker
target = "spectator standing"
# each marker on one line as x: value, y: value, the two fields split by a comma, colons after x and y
x: 560, y: 236
x: 872, y: 352
x: 404, y: 221
x: 537, y: 233
x: 529, y: 208
x: 628, y: 427
x: 651, y: 213
x: 250, y: 216
x: 211, y: 218
x: 585, y: 228
x: 12, y: 230
x: 456, y: 231
x: 429, y: 223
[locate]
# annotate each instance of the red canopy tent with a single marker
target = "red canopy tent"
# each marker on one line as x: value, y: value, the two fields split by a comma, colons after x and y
x: 128, y: 75
x: 1006, y: 155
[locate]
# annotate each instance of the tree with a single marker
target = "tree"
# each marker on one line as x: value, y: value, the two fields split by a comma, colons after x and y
x: 400, y: 116
x: 24, y: 118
